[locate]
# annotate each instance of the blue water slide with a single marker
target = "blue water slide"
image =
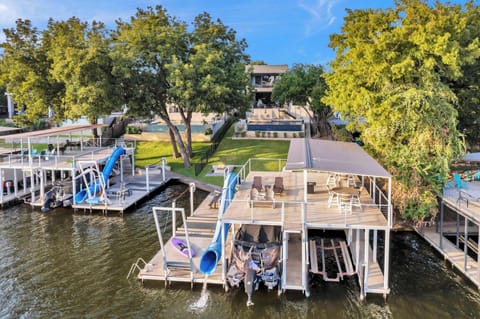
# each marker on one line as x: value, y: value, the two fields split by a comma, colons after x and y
x: 107, y: 170
x: 211, y: 256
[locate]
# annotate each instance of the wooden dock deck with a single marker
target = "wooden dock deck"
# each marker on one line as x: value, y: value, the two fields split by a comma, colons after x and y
x: 464, y: 263
x: 201, y: 226
x: 288, y: 206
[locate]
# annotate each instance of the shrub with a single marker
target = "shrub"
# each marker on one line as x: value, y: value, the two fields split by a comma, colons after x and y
x: 275, y: 134
x: 269, y: 134
x: 263, y: 134
x: 257, y: 133
x: 294, y: 135
x: 208, y: 131
x: 243, y: 134
x: 133, y: 130
x: 285, y: 134
x: 301, y: 134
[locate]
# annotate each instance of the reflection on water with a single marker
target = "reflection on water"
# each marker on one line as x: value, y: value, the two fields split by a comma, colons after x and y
x: 65, y: 265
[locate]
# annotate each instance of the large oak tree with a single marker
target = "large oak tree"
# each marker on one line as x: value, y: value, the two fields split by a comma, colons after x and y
x: 391, y: 78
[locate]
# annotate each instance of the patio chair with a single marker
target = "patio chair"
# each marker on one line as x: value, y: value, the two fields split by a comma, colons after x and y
x: 257, y: 183
x: 356, y: 198
x: 459, y: 182
x: 476, y: 176
x: 331, y: 180
x: 345, y: 203
x: 278, y: 186
x: 332, y: 196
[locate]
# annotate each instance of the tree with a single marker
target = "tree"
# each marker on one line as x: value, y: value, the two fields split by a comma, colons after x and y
x: 467, y: 87
x: 143, y: 48
x: 80, y: 60
x: 389, y: 78
x: 210, y: 76
x: 304, y: 85
x: 24, y: 71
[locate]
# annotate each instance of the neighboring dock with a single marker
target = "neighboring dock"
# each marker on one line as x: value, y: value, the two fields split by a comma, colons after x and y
x: 455, y: 231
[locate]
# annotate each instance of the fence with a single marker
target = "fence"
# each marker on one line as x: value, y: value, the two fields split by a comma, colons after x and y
x: 216, y: 139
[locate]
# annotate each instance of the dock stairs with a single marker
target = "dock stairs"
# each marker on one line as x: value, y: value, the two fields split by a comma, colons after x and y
x: 330, y: 249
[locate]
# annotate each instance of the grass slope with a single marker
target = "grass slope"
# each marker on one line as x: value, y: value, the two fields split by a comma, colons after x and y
x: 230, y: 152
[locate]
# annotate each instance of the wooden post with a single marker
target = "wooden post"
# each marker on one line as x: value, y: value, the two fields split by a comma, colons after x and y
x: 457, y: 241
x: 1, y: 186
x: 357, y: 249
x: 192, y: 191
x: 465, y: 246
x: 74, y: 186
x: 164, y: 161
x: 305, y: 181
x: 15, y: 182
x: 441, y: 226
x: 386, y: 262
x: 366, y: 257
x: 147, y: 179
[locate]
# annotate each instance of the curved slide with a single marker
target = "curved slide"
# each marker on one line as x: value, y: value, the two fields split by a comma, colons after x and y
x: 107, y: 170
x: 211, y: 256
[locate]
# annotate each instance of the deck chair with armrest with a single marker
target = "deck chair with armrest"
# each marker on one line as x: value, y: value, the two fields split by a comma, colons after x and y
x: 459, y: 182
x: 278, y: 186
x: 257, y: 183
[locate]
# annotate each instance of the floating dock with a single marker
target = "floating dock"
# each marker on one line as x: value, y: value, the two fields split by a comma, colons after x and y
x: 304, y: 206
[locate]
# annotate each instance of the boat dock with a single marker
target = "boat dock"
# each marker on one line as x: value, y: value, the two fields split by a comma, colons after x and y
x: 69, y: 163
x: 455, y: 232
x: 313, y: 198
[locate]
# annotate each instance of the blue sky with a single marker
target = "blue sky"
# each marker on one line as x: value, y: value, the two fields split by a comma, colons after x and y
x: 277, y: 31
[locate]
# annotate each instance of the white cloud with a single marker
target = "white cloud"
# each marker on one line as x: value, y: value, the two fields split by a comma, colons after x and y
x: 321, y: 14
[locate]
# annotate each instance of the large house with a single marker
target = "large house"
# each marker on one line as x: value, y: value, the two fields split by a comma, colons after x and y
x: 263, y: 78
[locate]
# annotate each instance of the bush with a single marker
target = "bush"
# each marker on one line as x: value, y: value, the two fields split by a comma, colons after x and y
x: 257, y: 133
x: 133, y: 130
x: 243, y: 134
x: 275, y: 134
x: 294, y: 135
x: 285, y: 134
x: 269, y: 134
x: 263, y: 134
x: 301, y: 134
x: 208, y: 131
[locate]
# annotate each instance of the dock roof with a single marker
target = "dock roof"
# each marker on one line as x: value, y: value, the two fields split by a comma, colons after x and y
x: 52, y: 131
x: 332, y: 156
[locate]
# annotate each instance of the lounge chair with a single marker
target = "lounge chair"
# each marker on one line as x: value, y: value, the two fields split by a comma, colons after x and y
x: 257, y: 183
x: 278, y: 186
x: 459, y: 182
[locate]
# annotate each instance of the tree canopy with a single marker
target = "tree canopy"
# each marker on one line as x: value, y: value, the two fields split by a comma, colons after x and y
x: 210, y: 76
x: 76, y: 68
x: 305, y: 85
x: 24, y: 71
x: 391, y: 79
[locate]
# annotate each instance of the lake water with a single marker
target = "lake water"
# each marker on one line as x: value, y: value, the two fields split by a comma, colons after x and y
x: 70, y: 265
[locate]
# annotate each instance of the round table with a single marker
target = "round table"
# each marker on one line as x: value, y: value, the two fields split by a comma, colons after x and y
x: 346, y: 190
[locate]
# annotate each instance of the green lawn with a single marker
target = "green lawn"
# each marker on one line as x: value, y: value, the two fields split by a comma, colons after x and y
x: 230, y: 152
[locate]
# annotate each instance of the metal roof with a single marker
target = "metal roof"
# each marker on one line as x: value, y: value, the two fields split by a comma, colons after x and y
x: 52, y: 131
x: 332, y: 156
x: 268, y: 69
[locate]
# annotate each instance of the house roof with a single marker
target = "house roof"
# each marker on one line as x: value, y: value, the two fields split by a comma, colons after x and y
x: 471, y: 157
x: 332, y: 156
x: 268, y: 69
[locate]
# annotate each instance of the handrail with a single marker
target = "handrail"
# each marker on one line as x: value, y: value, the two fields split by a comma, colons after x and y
x: 136, y: 266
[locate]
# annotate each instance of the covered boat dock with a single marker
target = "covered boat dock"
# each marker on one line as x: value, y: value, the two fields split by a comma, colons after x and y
x: 325, y: 186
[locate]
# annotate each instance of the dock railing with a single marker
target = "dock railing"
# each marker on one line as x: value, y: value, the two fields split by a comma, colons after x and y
x: 261, y: 164
x: 379, y: 198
